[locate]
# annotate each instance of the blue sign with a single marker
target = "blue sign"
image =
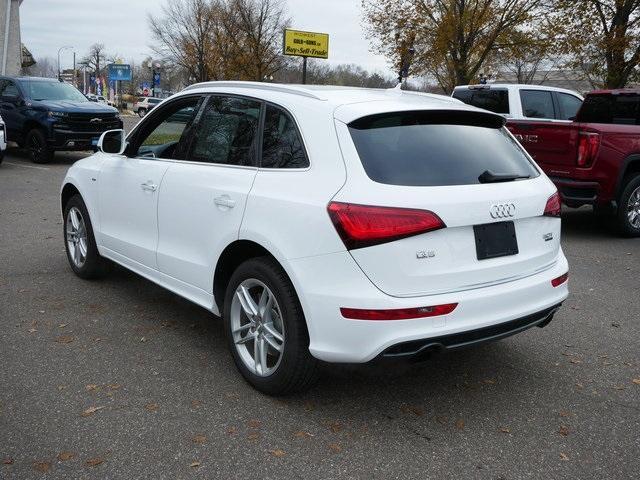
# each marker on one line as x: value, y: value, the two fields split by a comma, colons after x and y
x: 156, y: 79
x: 119, y: 71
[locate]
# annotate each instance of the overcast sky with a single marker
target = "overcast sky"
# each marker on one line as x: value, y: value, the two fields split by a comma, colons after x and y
x: 121, y: 25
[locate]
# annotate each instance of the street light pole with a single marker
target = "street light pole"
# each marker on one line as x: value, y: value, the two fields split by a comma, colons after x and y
x: 66, y: 47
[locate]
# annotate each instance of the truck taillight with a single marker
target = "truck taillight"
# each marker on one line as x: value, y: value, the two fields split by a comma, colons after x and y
x: 588, y: 144
x: 366, y: 225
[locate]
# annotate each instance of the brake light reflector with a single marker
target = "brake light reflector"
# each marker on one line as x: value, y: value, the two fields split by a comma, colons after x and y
x: 398, y: 313
x: 560, y: 280
x: 553, y: 208
x: 364, y: 225
x: 588, y: 144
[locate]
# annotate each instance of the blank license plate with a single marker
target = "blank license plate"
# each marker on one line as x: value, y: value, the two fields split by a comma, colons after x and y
x: 495, y: 240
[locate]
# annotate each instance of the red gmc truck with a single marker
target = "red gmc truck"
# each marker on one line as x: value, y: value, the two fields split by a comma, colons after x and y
x: 590, y: 151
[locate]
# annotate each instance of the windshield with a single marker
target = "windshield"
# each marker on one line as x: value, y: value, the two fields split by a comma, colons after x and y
x: 52, y: 90
x: 438, y: 148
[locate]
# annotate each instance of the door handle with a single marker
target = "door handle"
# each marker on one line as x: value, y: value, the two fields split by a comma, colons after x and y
x: 149, y: 186
x: 224, y: 201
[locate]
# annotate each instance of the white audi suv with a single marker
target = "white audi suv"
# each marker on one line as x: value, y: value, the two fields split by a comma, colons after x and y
x: 324, y: 223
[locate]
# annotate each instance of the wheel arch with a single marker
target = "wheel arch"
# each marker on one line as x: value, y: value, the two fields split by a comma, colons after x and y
x: 630, y: 165
x: 33, y: 124
x: 68, y: 191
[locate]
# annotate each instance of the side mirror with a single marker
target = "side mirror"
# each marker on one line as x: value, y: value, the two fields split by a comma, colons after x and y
x: 113, y: 142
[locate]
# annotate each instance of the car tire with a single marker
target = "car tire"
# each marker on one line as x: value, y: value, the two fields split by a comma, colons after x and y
x: 628, y: 214
x: 36, y: 144
x: 79, y: 241
x: 142, y: 112
x: 1, y: 155
x: 277, y: 372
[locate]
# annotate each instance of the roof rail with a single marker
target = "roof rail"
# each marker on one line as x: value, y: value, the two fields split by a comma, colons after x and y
x: 294, y: 90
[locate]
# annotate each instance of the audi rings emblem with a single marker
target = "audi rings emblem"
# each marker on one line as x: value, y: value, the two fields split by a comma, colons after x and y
x: 502, y: 210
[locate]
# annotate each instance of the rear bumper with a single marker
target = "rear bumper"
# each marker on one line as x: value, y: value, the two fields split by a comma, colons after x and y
x: 577, y: 192
x: 328, y: 282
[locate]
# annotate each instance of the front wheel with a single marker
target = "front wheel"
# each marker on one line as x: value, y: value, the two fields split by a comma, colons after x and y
x: 142, y: 112
x: 80, y: 244
x: 629, y: 208
x: 266, y: 329
x: 36, y: 144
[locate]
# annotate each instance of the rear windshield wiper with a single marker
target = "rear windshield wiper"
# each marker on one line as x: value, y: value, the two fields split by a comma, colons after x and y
x: 489, y: 177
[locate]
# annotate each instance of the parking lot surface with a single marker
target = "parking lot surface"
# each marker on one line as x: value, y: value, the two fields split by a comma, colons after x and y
x: 118, y: 378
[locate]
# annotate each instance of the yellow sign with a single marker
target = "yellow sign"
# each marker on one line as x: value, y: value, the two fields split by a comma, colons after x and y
x: 306, y: 44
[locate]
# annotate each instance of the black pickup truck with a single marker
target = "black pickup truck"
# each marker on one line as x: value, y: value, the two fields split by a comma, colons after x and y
x: 44, y: 115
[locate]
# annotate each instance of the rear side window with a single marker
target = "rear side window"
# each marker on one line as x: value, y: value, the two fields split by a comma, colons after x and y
x: 281, y: 145
x: 569, y: 106
x: 425, y: 148
x: 227, y: 131
x: 494, y: 100
x: 537, y: 104
x: 616, y: 109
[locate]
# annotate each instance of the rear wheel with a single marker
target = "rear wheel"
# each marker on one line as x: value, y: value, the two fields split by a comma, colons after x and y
x: 142, y: 112
x: 80, y: 243
x: 629, y: 207
x: 266, y: 329
x: 36, y: 144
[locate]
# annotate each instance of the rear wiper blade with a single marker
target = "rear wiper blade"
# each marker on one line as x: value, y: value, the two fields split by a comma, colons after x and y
x: 489, y: 177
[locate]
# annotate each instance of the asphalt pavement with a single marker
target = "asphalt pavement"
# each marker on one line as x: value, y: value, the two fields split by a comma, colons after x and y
x: 120, y: 379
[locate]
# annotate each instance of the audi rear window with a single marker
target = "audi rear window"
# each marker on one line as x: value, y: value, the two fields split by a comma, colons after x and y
x: 437, y: 148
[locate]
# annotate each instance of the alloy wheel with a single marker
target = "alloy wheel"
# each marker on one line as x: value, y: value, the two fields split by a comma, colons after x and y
x: 633, y: 208
x: 76, y: 237
x: 257, y: 327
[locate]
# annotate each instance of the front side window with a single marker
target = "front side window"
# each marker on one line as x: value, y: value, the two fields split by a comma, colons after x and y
x: 537, y: 104
x: 569, y: 106
x: 495, y: 100
x: 227, y: 132
x: 167, y: 135
x: 281, y: 146
x: 8, y: 89
x: 52, y: 90
x: 423, y: 148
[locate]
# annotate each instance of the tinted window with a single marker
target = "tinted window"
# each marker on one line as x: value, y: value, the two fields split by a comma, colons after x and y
x: 165, y: 137
x: 537, y: 104
x: 281, y: 145
x: 618, y: 109
x: 226, y: 132
x: 435, y: 149
x: 52, y: 90
x: 494, y: 100
x: 8, y: 89
x: 154, y: 100
x: 569, y: 106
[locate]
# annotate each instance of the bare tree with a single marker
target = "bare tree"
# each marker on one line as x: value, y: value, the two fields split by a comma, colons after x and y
x: 185, y: 33
x: 95, y: 57
x: 256, y: 27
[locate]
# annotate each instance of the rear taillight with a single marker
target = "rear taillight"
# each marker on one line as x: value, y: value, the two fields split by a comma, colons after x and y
x: 552, y: 209
x: 556, y: 282
x: 588, y: 144
x: 398, y: 313
x: 364, y: 225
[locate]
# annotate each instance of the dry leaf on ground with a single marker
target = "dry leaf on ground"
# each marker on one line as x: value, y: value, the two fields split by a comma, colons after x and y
x: 335, y: 427
x: 199, y: 439
x: 7, y: 461
x: 151, y: 407
x: 91, y: 411
x: 277, y: 453
x: 505, y: 430
x: 636, y: 381
x: 64, y: 339
x: 254, y: 423
x: 194, y: 464
x: 64, y: 456
x: 94, y: 462
x: 302, y: 434
x: 460, y: 424
x: 564, y: 456
x: 564, y: 430
x: 42, y: 467
x: 335, y: 448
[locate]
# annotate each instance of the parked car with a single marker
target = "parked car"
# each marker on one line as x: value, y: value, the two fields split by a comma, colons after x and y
x: 594, y: 160
x: 3, y: 139
x: 325, y: 223
x: 44, y: 115
x: 145, y: 104
x: 521, y: 101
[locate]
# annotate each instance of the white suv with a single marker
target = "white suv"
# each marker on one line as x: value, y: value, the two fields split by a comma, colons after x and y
x: 3, y: 139
x: 334, y: 224
x: 144, y: 105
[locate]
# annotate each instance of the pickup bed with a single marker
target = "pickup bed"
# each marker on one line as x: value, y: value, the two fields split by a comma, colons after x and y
x: 592, y: 155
